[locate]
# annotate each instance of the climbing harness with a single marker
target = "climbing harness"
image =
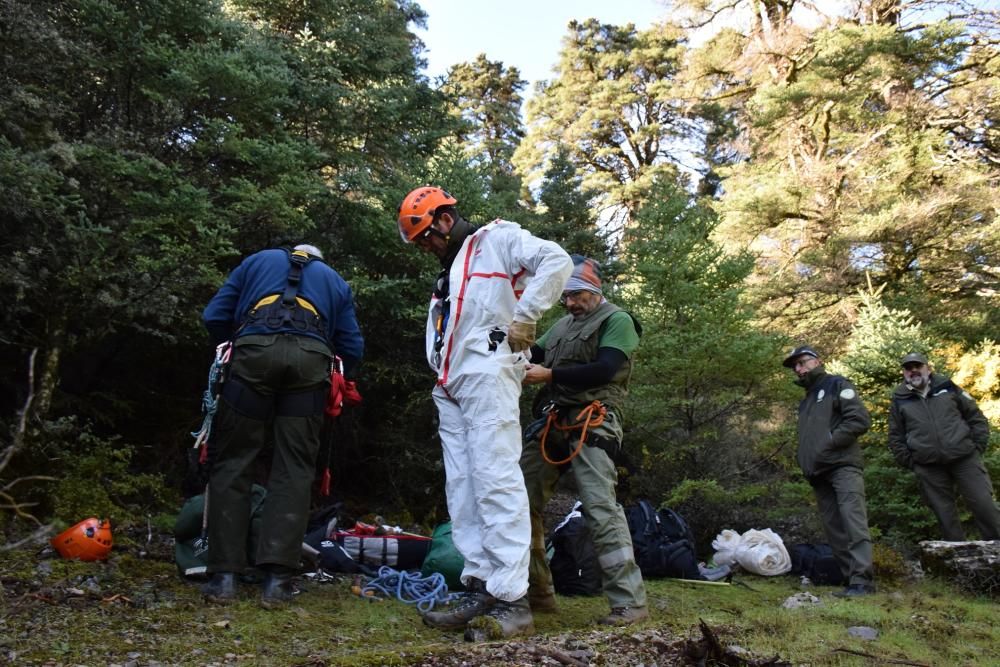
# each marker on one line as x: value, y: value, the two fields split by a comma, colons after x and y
x: 288, y: 309
x: 409, y: 587
x: 210, y: 399
x: 592, y: 415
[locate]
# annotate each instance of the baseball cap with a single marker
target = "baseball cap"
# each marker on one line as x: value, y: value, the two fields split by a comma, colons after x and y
x: 789, y: 361
x: 913, y: 358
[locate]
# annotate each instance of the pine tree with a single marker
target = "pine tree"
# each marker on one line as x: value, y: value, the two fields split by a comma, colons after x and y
x: 703, y: 374
x: 878, y: 340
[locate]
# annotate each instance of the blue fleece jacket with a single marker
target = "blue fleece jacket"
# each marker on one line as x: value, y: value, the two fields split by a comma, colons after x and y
x: 266, y: 273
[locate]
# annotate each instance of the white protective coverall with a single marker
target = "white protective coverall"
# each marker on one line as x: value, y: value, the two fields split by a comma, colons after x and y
x: 501, y: 273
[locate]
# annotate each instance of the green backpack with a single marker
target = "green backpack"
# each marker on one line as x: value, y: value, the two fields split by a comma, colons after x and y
x: 444, y: 558
x: 191, y: 538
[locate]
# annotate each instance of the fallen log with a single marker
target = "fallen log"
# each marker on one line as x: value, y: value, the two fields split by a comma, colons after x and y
x: 973, y: 566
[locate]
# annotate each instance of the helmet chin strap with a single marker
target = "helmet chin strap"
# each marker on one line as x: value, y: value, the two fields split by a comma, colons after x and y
x: 441, y: 235
x: 454, y: 239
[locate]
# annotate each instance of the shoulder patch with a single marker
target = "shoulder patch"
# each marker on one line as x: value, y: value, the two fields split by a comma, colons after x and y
x: 847, y: 393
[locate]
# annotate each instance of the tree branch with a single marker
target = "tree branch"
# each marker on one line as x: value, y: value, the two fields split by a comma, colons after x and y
x: 15, y: 446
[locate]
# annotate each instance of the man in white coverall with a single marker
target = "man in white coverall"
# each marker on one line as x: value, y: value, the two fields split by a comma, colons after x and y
x: 496, y: 282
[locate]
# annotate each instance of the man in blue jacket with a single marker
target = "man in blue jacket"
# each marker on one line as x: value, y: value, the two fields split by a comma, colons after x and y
x: 287, y: 313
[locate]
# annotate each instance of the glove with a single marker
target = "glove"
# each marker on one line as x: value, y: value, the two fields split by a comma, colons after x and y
x: 520, y: 335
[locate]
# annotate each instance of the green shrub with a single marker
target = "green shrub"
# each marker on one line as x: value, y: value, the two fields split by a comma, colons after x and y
x: 889, y: 563
x: 895, y: 507
x: 95, y: 480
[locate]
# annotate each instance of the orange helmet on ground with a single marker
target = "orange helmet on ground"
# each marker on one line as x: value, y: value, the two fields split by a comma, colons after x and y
x: 88, y: 540
x: 416, y: 213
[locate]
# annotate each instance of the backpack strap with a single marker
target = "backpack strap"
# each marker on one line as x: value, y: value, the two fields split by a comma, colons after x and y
x: 652, y: 523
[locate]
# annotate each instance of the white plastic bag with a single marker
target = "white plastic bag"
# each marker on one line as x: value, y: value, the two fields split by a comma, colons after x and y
x: 758, y: 551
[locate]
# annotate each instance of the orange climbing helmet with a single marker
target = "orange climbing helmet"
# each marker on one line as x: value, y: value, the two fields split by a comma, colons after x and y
x: 88, y: 540
x: 416, y: 213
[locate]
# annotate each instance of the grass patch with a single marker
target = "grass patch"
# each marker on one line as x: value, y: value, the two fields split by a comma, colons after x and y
x: 138, y: 609
x: 926, y: 622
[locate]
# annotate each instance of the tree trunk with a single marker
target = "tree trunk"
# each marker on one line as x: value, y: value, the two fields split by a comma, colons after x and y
x: 882, y: 12
x: 48, y: 379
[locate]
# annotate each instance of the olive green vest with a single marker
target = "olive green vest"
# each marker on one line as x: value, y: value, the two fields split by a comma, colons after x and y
x: 573, y: 342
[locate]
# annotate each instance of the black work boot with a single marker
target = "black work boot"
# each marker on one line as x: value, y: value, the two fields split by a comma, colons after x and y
x: 625, y: 616
x: 277, y: 589
x: 505, y: 619
x: 221, y: 588
x: 474, y: 602
x: 855, y: 591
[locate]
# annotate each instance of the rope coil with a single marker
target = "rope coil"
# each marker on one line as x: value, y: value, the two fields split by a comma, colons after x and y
x: 410, y: 587
x: 210, y: 398
x: 583, y: 421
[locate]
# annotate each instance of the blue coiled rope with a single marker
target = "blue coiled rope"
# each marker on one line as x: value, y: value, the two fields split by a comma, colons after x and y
x: 410, y: 587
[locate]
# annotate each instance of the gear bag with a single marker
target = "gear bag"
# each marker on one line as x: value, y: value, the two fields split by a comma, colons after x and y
x: 574, y: 560
x: 444, y: 558
x: 375, y: 546
x: 662, y: 542
x: 817, y: 562
x: 191, y: 539
x: 332, y: 556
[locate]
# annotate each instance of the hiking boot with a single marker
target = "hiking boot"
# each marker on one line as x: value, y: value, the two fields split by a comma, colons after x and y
x: 473, y: 602
x: 276, y: 590
x: 543, y: 604
x: 505, y: 619
x: 855, y: 591
x: 221, y: 588
x: 625, y: 616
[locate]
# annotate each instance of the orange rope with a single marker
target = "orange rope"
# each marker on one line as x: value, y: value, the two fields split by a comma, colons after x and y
x: 588, y: 420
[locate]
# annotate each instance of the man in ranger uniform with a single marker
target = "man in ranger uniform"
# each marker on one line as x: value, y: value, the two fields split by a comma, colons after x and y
x: 584, y: 360
x: 496, y: 282
x: 937, y: 431
x: 831, y: 419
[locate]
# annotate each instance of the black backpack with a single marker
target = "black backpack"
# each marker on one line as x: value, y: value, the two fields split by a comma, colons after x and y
x: 574, y: 559
x: 662, y: 542
x: 817, y: 562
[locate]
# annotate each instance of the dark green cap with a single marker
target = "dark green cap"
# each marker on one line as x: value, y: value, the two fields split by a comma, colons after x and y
x: 913, y: 358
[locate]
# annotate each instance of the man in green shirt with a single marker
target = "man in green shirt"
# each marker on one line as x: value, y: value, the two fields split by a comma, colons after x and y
x: 585, y: 362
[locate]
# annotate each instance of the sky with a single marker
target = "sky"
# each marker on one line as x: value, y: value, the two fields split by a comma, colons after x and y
x: 526, y: 34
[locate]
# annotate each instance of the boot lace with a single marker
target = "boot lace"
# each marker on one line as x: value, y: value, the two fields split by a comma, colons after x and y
x: 469, y: 601
x: 504, y: 610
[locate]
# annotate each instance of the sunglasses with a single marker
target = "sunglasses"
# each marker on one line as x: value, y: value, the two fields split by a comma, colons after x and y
x: 575, y: 295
